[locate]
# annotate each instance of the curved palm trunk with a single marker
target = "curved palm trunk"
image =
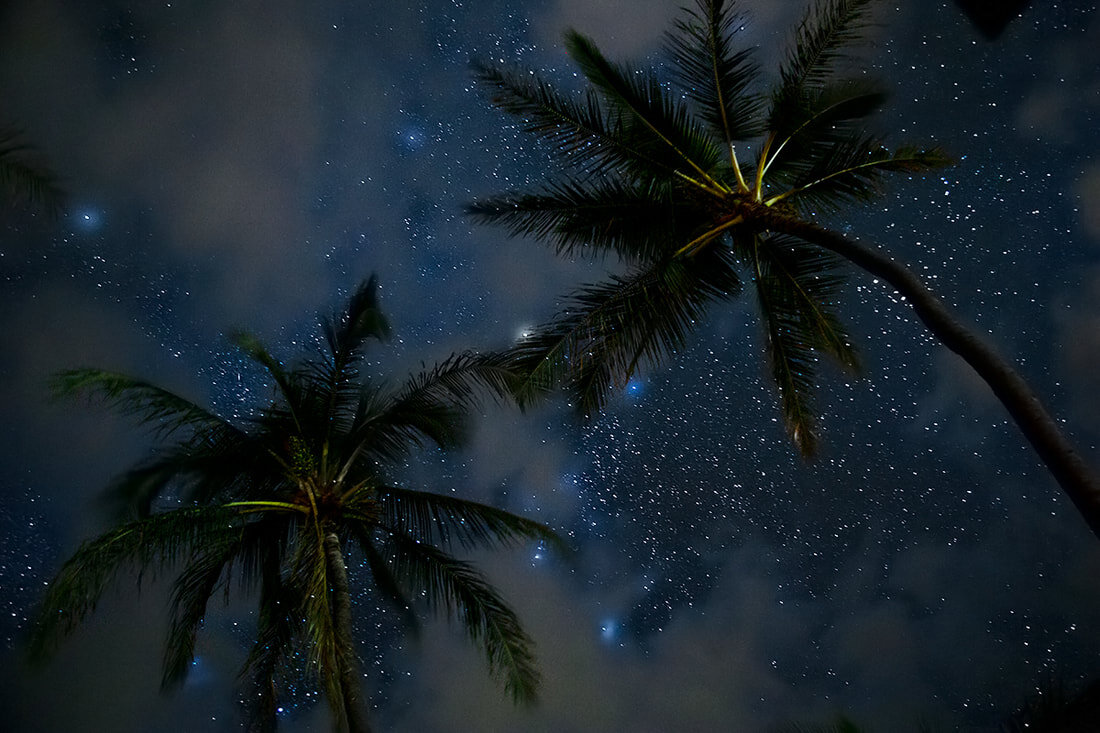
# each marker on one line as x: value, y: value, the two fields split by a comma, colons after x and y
x: 353, y: 714
x: 1076, y: 478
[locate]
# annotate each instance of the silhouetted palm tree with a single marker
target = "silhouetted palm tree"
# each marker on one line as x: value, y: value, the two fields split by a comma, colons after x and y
x: 706, y: 184
x: 25, y: 177
x: 282, y: 496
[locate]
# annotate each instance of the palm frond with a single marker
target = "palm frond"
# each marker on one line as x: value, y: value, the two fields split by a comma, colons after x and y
x: 610, y: 328
x: 334, y: 379
x: 192, y: 591
x: 384, y: 580
x: 796, y: 283
x: 254, y: 553
x: 636, y: 221
x: 652, y: 119
x: 827, y: 28
x: 164, y: 411
x: 579, y: 132
x: 25, y: 177
x: 362, y: 319
x: 853, y: 172
x: 278, y: 626
x: 455, y: 586
x: 430, y: 408
x: 808, y: 127
x: 440, y: 520
x: 715, y: 77
x: 152, y: 543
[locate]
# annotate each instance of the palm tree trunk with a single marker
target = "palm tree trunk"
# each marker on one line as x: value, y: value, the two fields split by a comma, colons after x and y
x: 1076, y: 478
x: 350, y: 682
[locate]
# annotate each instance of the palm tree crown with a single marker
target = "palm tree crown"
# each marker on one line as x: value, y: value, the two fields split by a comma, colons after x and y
x: 709, y: 181
x: 662, y: 179
x: 282, y: 497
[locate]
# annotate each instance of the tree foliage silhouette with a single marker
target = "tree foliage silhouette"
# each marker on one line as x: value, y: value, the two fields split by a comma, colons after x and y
x: 277, y: 500
x: 710, y: 182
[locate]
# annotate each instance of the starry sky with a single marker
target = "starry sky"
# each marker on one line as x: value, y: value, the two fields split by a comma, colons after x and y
x: 246, y: 164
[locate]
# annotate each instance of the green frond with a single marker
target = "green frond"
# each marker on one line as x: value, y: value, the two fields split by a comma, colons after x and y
x: 255, y: 350
x: 362, y: 319
x: 193, y: 589
x: 333, y: 378
x: 382, y: 576
x: 152, y: 543
x: 853, y: 172
x: 165, y: 412
x: 440, y: 520
x: 608, y: 329
x: 713, y: 75
x: 430, y: 408
x: 461, y: 380
x: 25, y: 177
x: 655, y: 121
x: 455, y: 586
x: 636, y: 221
x: 808, y: 281
x: 578, y: 132
x: 277, y: 629
x: 796, y: 286
x: 809, y: 127
x: 131, y: 494
x: 827, y: 29
x: 215, y: 464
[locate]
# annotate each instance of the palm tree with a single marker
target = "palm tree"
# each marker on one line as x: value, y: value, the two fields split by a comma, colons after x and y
x: 25, y: 178
x: 704, y: 183
x: 282, y: 497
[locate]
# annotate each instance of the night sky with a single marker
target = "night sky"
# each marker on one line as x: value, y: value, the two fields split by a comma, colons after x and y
x: 244, y: 165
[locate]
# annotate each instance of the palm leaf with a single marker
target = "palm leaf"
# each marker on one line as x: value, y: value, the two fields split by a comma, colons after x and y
x: 362, y: 319
x: 154, y: 542
x: 255, y: 350
x: 455, y: 585
x: 193, y: 589
x: 795, y: 284
x: 165, y: 411
x: 653, y: 120
x: 334, y: 378
x: 278, y: 625
x: 853, y: 171
x: 254, y: 551
x: 610, y: 328
x: 440, y: 520
x: 578, y: 132
x: 428, y: 409
x: 636, y: 221
x: 716, y: 77
x: 807, y: 128
x: 827, y: 28
x: 382, y: 575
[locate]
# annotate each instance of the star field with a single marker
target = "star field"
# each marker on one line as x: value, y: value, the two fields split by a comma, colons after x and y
x: 234, y: 168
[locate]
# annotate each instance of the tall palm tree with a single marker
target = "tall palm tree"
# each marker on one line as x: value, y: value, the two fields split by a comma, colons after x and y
x: 25, y: 177
x: 706, y: 182
x: 282, y: 497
